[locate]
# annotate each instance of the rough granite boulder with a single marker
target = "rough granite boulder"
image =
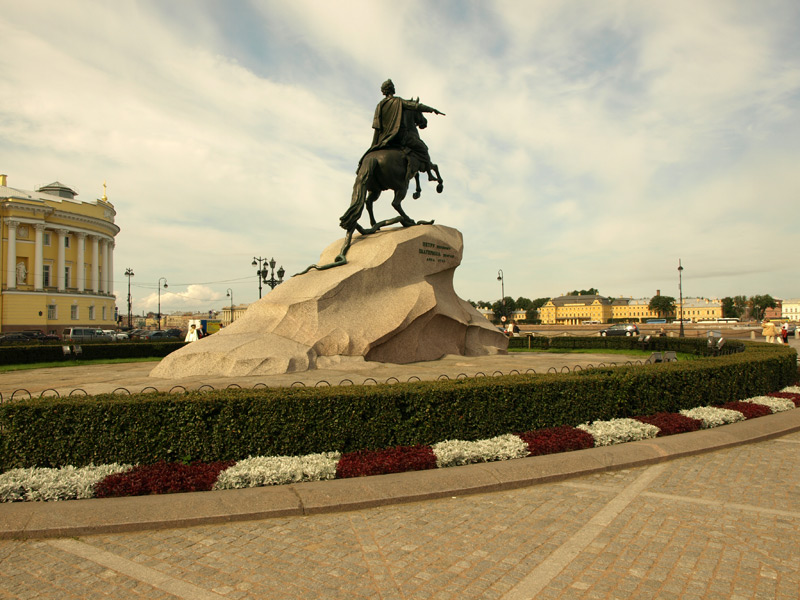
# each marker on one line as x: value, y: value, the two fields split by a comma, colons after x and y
x: 392, y: 302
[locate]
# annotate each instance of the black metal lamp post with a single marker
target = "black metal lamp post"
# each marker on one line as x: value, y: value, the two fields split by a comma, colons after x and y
x: 266, y: 269
x: 272, y: 282
x: 159, y: 298
x: 230, y: 293
x: 129, y: 274
x: 680, y: 293
x: 502, y: 281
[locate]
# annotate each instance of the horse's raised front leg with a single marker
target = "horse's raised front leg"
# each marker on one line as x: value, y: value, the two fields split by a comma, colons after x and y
x: 418, y: 191
x: 435, y: 169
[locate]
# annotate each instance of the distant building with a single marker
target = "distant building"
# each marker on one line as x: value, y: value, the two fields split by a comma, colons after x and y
x: 57, y: 259
x: 575, y: 310
x: 227, y: 316
x: 774, y: 313
x: 791, y: 309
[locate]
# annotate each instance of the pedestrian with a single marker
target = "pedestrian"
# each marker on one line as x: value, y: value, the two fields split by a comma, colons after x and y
x: 768, y: 331
x: 785, y: 332
x: 191, y: 335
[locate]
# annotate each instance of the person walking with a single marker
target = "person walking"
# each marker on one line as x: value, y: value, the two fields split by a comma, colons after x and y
x: 768, y: 331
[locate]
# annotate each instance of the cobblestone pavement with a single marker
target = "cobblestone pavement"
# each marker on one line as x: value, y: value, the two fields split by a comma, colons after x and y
x: 725, y: 524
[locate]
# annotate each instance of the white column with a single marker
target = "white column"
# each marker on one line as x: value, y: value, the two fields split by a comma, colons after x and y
x: 95, y: 264
x: 11, y: 262
x: 81, y: 266
x: 110, y: 268
x: 38, y: 257
x: 62, y: 262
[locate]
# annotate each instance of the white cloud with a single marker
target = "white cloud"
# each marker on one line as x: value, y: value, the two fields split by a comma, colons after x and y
x: 585, y: 144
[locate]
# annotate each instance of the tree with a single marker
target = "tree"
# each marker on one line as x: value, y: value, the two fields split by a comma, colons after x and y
x: 760, y: 303
x: 532, y: 312
x: 663, y: 305
x: 728, y: 307
x: 741, y: 305
x: 504, y: 308
x: 589, y: 292
x: 523, y: 303
x: 734, y: 307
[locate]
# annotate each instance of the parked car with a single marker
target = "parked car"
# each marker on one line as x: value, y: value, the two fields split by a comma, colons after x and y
x: 85, y: 334
x: 37, y: 334
x: 628, y: 329
x: 116, y: 335
x: 159, y: 334
x: 14, y: 337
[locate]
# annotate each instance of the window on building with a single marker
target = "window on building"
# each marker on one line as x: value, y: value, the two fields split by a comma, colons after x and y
x: 104, y: 313
x: 73, y: 312
x: 46, y: 239
x: 67, y: 271
x: 52, y: 312
x: 46, y: 275
x: 66, y: 241
x: 91, y: 313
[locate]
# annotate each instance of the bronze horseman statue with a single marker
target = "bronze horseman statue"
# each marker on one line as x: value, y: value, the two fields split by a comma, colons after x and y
x: 397, y: 155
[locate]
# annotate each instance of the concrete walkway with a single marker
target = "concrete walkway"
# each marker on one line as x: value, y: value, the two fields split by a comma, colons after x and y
x: 134, y: 377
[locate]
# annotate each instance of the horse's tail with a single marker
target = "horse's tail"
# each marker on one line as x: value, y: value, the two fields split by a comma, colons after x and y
x: 365, y: 172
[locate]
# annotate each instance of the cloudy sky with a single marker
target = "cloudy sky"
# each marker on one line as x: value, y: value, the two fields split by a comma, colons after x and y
x: 585, y: 144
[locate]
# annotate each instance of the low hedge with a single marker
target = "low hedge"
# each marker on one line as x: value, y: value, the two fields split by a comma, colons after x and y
x: 697, y: 346
x: 19, y: 355
x: 234, y: 424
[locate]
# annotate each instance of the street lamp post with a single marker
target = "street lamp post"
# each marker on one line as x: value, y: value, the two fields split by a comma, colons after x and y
x: 266, y: 268
x: 129, y: 274
x: 230, y: 293
x: 680, y: 294
x: 159, y: 298
x: 272, y: 282
x: 502, y: 281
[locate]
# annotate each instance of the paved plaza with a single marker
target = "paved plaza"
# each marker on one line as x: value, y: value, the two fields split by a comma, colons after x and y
x: 724, y: 524
x: 708, y: 514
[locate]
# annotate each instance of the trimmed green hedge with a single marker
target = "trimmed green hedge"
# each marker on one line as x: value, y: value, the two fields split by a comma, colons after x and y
x: 23, y: 355
x: 235, y: 424
x: 697, y: 346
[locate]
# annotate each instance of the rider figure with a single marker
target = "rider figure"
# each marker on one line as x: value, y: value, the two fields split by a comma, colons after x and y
x: 395, y: 127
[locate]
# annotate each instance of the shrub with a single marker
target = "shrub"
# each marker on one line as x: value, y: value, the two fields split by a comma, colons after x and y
x: 671, y: 423
x: 748, y: 409
x: 161, y: 478
x: 390, y: 460
x: 237, y: 423
x: 553, y: 440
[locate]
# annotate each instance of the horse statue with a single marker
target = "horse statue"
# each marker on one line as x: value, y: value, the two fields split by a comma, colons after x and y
x: 387, y: 168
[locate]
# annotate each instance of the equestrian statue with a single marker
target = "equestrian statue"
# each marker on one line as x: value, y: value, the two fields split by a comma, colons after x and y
x: 397, y: 155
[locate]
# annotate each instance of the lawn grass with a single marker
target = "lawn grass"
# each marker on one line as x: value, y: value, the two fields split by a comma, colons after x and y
x: 75, y: 363
x: 644, y: 353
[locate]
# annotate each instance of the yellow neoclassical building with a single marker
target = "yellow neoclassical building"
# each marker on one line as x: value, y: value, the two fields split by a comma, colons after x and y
x: 574, y: 310
x: 57, y: 259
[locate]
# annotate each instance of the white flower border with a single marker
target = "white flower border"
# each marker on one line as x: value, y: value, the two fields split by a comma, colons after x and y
x: 67, y: 483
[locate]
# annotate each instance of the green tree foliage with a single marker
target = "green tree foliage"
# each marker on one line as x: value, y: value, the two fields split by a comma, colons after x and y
x: 663, y: 305
x: 589, y: 292
x: 504, y: 308
x: 760, y: 303
x: 740, y: 303
x: 524, y: 303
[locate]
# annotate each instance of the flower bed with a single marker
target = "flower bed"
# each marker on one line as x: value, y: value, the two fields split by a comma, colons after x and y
x: 117, y: 480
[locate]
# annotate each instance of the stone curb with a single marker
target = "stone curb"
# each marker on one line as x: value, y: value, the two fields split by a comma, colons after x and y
x: 28, y: 520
